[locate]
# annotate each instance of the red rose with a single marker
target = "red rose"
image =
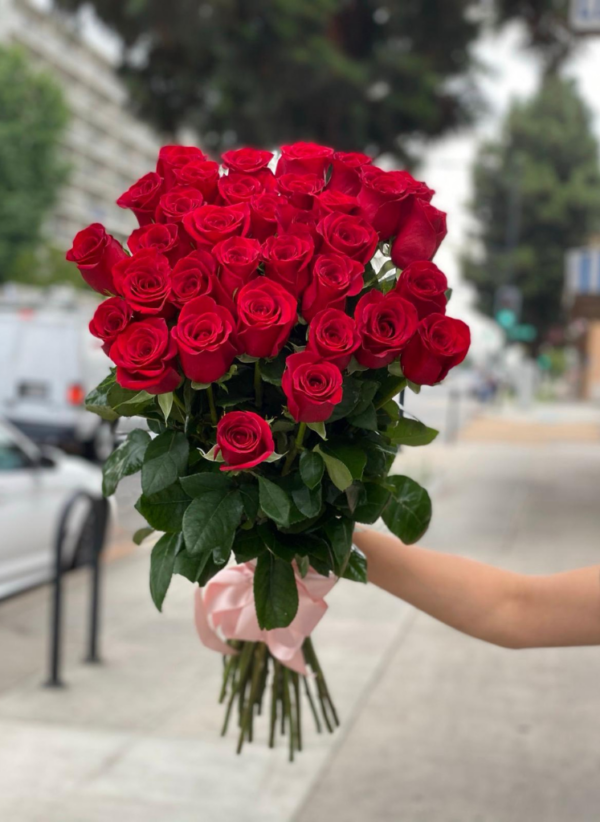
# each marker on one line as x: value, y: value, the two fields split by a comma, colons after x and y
x: 299, y: 221
x: 144, y: 355
x: 196, y: 276
x: 385, y: 199
x: 439, y: 344
x: 110, y: 318
x: 164, y: 237
x: 173, y: 158
x: 346, y: 234
x: 300, y: 188
x: 144, y: 280
x: 333, y: 336
x: 332, y: 200
x: 304, y: 158
x: 239, y: 188
x: 95, y: 253
x: 210, y: 224
x: 263, y: 215
x: 420, y: 235
x: 176, y: 203
x: 244, y: 440
x: 425, y: 286
x: 206, y: 340
x: 313, y: 386
x: 142, y: 197
x: 385, y: 324
x: 247, y: 160
x: 334, y: 277
x: 346, y: 167
x: 287, y: 258
x: 203, y: 175
x: 266, y: 316
x: 238, y: 258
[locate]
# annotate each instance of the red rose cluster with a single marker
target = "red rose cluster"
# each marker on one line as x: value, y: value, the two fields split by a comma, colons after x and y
x: 227, y: 258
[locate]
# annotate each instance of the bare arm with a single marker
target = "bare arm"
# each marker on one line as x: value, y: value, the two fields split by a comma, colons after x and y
x: 505, y: 608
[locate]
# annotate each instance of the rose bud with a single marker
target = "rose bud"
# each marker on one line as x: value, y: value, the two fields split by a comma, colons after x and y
x: 350, y: 235
x: 176, y: 203
x: 420, y: 235
x: 385, y: 324
x: 163, y: 237
x: 333, y: 336
x: 145, y: 357
x: 385, y: 199
x: 144, y: 280
x: 313, y: 386
x: 210, y: 224
x: 304, y: 158
x: 196, y: 276
x: 287, y: 258
x: 142, y: 197
x: 246, y: 160
x: 346, y: 167
x: 439, y: 344
x: 298, y: 221
x: 203, y: 175
x: 425, y: 286
x: 244, y: 440
x: 206, y: 340
x: 263, y: 215
x: 95, y: 253
x: 331, y: 200
x: 110, y: 318
x: 238, y: 258
x: 300, y: 189
x: 239, y: 188
x: 334, y: 277
x: 266, y: 316
x: 173, y: 158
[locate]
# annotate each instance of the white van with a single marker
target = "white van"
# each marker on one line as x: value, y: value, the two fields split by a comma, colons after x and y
x: 48, y: 363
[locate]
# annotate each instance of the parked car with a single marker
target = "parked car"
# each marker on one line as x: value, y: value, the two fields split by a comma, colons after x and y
x: 35, y: 485
x: 49, y: 361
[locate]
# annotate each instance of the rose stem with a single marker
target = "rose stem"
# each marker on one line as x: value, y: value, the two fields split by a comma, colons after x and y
x: 258, y: 659
x: 211, y: 405
x: 287, y: 703
x: 312, y: 706
x: 274, y: 703
x: 296, y: 681
x: 294, y: 449
x: 229, y: 664
x: 321, y: 683
x: 245, y: 657
x: 398, y: 386
x: 258, y: 391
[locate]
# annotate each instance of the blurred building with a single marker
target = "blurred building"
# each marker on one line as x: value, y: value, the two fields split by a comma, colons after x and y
x: 105, y: 145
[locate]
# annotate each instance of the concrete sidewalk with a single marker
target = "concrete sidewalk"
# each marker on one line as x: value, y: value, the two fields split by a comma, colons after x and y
x: 436, y: 726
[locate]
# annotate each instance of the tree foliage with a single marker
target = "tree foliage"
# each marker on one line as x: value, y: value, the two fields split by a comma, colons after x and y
x: 547, y: 23
x: 31, y: 171
x: 541, y: 177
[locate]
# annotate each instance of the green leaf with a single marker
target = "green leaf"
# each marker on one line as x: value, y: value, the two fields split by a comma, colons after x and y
x: 318, y: 428
x: 141, y: 534
x: 162, y: 565
x: 390, y: 387
x: 408, y: 513
x: 197, y: 485
x: 338, y: 473
x: 395, y: 369
x: 371, y: 508
x: 416, y: 389
x: 166, y: 403
x: 165, y: 460
x: 275, y: 592
x: 392, y: 409
x: 411, y: 432
x: 97, y: 400
x: 311, y: 468
x: 339, y: 534
x: 356, y: 569
x: 191, y: 567
x: 307, y: 500
x: 350, y: 398
x: 124, y: 460
x: 303, y: 564
x: 271, y: 371
x: 249, y: 495
x: 353, y: 456
x: 274, y: 501
x: 367, y: 419
x: 210, y: 523
x: 248, y: 545
x: 368, y: 389
x: 164, y: 511
x: 128, y: 403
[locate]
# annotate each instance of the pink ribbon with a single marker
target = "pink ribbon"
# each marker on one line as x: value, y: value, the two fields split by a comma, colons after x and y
x: 225, y: 606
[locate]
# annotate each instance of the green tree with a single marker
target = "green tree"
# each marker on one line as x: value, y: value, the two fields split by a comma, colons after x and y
x: 355, y: 74
x: 547, y: 24
x: 537, y: 194
x: 33, y: 116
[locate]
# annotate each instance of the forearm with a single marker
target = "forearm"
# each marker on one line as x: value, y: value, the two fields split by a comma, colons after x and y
x: 507, y: 609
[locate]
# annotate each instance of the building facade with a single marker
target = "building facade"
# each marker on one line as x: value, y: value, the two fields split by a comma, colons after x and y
x: 106, y: 147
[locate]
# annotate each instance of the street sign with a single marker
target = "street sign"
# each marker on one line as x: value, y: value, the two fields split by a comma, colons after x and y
x: 506, y: 318
x: 523, y: 333
x: 585, y: 15
x: 508, y: 298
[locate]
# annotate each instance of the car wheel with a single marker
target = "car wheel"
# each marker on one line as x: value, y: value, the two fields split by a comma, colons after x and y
x: 102, y: 444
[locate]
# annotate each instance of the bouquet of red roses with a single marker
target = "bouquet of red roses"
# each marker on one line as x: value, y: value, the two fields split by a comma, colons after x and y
x: 263, y: 319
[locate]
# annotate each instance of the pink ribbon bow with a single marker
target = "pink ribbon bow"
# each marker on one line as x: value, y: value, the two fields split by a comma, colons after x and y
x: 226, y: 605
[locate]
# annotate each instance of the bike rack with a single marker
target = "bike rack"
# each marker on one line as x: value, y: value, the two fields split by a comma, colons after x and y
x: 100, y: 511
